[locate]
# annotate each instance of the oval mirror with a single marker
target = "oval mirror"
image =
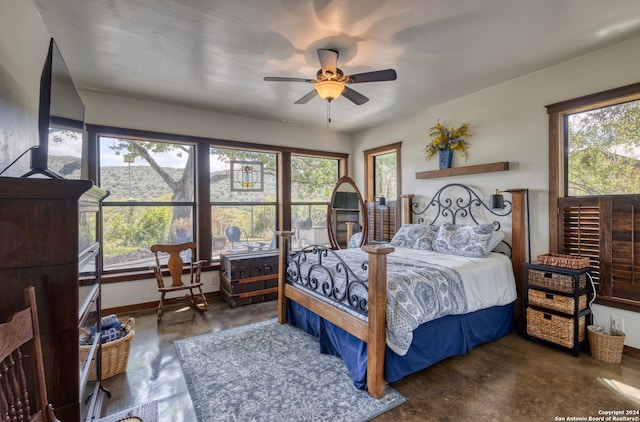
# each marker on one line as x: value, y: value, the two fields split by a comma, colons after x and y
x: 346, y: 214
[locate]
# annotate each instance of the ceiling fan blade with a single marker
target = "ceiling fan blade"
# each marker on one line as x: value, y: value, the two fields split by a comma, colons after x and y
x: 328, y: 61
x: 279, y: 79
x: 375, y: 76
x: 308, y: 97
x: 354, y: 96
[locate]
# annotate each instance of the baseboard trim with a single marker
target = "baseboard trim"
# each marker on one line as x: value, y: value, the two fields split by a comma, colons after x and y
x: 631, y: 352
x: 211, y: 296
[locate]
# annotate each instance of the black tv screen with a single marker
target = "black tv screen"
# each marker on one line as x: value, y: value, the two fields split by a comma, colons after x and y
x: 59, y: 99
x: 346, y: 201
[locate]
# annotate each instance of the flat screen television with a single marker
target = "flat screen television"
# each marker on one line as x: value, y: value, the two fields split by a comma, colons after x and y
x: 346, y: 201
x: 59, y: 102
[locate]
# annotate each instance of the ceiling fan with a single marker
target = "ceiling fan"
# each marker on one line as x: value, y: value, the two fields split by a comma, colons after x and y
x: 330, y: 81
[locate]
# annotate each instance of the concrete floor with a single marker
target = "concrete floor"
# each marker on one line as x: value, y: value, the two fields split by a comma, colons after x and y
x: 511, y: 379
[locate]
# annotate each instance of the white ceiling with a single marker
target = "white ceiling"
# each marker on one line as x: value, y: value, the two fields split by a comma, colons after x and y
x: 214, y: 54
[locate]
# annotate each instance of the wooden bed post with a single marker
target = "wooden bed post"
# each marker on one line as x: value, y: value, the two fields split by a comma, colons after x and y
x: 518, y: 252
x: 284, y: 243
x: 407, y: 204
x: 377, y: 318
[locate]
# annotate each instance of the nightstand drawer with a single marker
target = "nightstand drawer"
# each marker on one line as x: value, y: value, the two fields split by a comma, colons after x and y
x: 556, y: 302
x: 554, y: 328
x: 556, y: 280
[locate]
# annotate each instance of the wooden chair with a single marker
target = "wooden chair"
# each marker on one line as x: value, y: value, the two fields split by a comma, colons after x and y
x: 15, y: 400
x: 176, y: 266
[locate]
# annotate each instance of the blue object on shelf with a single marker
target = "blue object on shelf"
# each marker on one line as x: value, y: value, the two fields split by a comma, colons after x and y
x: 445, y: 158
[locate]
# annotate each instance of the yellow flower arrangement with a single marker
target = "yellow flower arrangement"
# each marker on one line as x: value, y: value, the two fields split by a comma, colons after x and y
x: 445, y: 138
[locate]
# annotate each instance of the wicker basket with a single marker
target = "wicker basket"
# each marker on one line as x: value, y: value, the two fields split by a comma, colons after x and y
x: 556, y: 281
x: 115, y: 354
x: 565, y: 261
x: 606, y: 344
x: 553, y: 328
x: 556, y: 302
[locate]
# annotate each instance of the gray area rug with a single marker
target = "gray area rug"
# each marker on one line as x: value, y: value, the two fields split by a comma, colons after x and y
x: 272, y: 372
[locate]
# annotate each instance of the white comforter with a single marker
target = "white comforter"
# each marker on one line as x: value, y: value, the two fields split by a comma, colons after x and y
x: 487, y: 281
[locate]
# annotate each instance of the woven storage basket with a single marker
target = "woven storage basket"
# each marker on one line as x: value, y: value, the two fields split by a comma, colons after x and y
x: 556, y: 302
x: 556, y: 281
x: 606, y: 344
x: 566, y: 261
x: 115, y: 354
x: 553, y: 328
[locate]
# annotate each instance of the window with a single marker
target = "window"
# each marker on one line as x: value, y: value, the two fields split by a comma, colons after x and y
x: 65, y: 147
x: 243, y: 196
x: 382, y: 170
x: 594, y: 194
x: 603, y: 150
x: 312, y: 182
x: 151, y: 199
x: 172, y: 188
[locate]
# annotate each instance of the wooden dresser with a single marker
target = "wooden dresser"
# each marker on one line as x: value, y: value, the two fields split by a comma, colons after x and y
x: 50, y: 239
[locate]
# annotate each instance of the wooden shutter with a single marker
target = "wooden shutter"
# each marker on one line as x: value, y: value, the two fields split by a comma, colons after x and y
x: 388, y: 224
x: 607, y: 230
x: 625, y: 248
x: 581, y: 230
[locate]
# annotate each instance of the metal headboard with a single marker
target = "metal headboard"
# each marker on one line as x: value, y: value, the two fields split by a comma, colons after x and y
x: 454, y: 201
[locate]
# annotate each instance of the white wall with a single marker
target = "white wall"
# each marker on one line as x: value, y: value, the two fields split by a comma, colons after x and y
x: 509, y: 123
x: 24, y: 42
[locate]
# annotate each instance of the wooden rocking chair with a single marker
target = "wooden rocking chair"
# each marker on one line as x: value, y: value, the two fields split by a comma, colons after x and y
x: 15, y: 400
x: 176, y: 266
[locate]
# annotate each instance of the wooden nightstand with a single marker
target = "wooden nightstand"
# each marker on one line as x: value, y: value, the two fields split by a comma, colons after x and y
x: 557, y: 305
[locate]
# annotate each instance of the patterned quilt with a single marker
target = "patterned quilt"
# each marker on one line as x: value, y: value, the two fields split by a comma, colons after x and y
x: 417, y: 291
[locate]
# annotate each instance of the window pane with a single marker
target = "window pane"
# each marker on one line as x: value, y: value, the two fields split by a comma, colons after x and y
x: 223, y: 161
x: 137, y: 174
x: 309, y: 223
x: 126, y: 171
x: 242, y: 228
x: 313, y: 178
x: 312, y: 182
x: 603, y: 151
x: 385, y: 175
x: 65, y: 151
x: 129, y: 231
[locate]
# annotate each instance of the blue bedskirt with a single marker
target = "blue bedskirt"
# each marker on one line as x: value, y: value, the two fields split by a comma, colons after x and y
x: 432, y: 342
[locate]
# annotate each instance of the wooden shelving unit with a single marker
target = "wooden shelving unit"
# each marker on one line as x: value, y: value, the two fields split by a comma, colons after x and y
x: 458, y: 171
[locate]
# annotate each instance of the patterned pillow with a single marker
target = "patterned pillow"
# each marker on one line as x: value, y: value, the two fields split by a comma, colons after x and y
x: 415, y: 236
x: 470, y: 241
x: 355, y: 240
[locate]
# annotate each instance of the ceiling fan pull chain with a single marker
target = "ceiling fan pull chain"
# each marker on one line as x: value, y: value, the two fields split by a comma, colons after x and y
x: 328, y: 113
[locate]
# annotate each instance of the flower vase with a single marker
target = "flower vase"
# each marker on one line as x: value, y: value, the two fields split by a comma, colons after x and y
x: 444, y: 159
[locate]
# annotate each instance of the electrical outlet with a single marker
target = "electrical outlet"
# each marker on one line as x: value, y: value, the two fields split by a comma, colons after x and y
x: 617, y: 323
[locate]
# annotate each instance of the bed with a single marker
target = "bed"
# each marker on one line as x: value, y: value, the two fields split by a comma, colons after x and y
x: 368, y: 305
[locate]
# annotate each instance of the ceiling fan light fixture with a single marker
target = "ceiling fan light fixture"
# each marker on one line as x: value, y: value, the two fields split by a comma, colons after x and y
x: 329, y: 90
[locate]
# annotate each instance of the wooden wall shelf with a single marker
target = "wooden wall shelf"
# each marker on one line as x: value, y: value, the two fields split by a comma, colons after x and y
x: 458, y: 171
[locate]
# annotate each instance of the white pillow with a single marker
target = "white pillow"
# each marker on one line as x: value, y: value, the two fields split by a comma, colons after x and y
x: 462, y: 240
